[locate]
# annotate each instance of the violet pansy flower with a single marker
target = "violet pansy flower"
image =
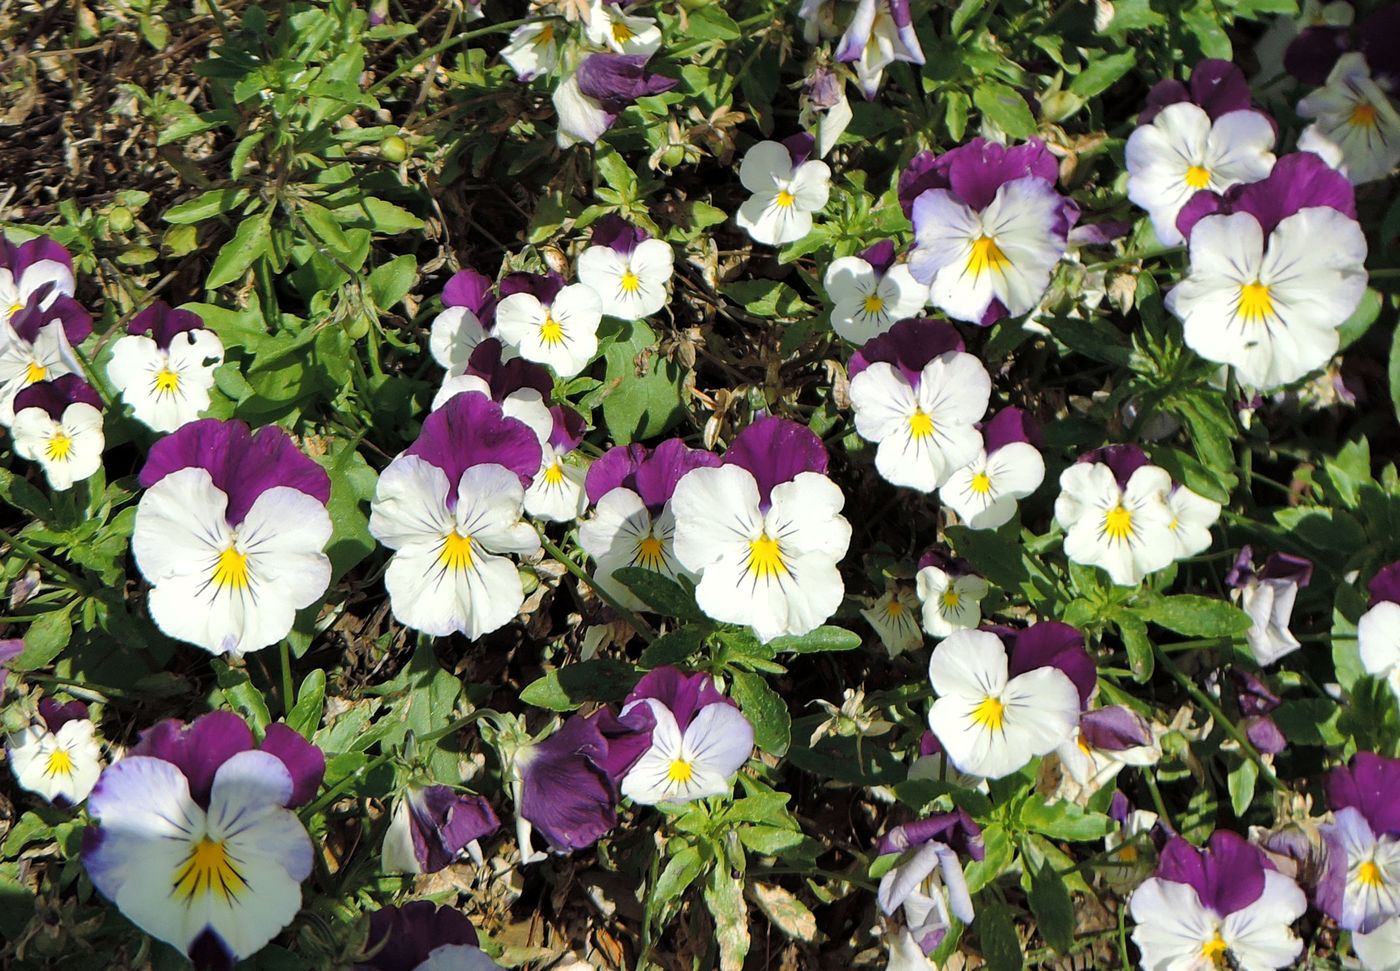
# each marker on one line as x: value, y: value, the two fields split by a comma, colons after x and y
x: 58, y: 758
x: 871, y: 293
x: 927, y: 888
x: 628, y: 270
x: 164, y: 366
x: 39, y: 267
x: 1360, y: 883
x: 1267, y: 595
x: 230, y: 533
x: 562, y: 789
x: 421, y: 936
x: 58, y: 424
x: 38, y: 344
x: 880, y: 33
x: 202, y: 811
x: 1378, y: 630
x: 433, y: 826
x: 984, y: 492
x: 469, y: 312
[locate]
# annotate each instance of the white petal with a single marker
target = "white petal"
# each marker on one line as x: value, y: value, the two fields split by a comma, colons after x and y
x: 970, y: 664
x: 410, y: 504
x: 763, y: 165
x: 716, y: 511
x: 1258, y: 936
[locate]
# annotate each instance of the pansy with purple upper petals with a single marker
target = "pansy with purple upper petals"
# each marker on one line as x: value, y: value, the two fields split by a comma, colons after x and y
x: 628, y: 270
x: 788, y: 186
x: 1107, y: 740
x: 1113, y: 509
x: 57, y: 757
x: 562, y: 789
x: 552, y: 324
x: 469, y: 311
x: 230, y: 534
x: 38, y: 267
x: 764, y: 531
x: 1267, y: 595
x: 589, y: 100
x: 989, y: 229
x: 895, y: 617
x: 880, y: 33
x: 1378, y: 630
x: 450, y: 507
x: 58, y: 424
x: 433, y: 826
x: 1355, y: 115
x: 1224, y: 906
x: 1360, y: 883
x: 556, y: 493
x: 1009, y: 467
x: 200, y: 810
x: 164, y: 366
x: 922, y: 412
x: 632, y: 523
x: 950, y: 592
x: 926, y: 888
x: 871, y: 292
x: 38, y: 343
x: 421, y: 936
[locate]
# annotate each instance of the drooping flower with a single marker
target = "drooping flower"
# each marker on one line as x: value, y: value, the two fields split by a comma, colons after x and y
x: 628, y: 270
x: 469, y: 309
x: 989, y: 228
x: 230, y: 534
x: 871, y: 292
x: 38, y: 343
x: 165, y: 376
x: 1211, y: 142
x: 895, y: 617
x: 1009, y: 467
x: 589, y: 100
x: 880, y: 33
x: 1257, y: 702
x: 37, y: 268
x: 1360, y: 883
x: 434, y: 826
x: 421, y: 936
x: 823, y: 108
x: 1355, y: 114
x: 58, y: 424
x: 764, y: 531
x: 1107, y: 740
x: 1276, y: 267
x: 990, y: 723
x: 927, y: 888
x: 450, y: 507
x: 1267, y: 595
x: 1378, y: 630
x: 58, y: 758
x: 788, y: 186
x: 951, y: 594
x: 632, y: 524
x: 562, y: 789
x: 196, y: 841
x: 1112, y: 507
x: 611, y: 26
x: 918, y: 396
x: 1218, y: 907
x: 532, y: 50
x: 552, y: 324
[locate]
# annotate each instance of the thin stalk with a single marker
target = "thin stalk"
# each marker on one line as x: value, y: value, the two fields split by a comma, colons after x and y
x: 448, y: 44
x: 637, y: 623
x: 288, y: 696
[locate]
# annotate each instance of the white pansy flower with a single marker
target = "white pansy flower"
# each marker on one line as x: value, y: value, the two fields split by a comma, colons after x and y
x: 785, y: 195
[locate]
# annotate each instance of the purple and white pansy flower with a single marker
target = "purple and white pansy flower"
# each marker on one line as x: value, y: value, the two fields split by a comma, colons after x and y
x: 1108, y: 739
x: 1009, y: 467
x: 551, y: 324
x: 58, y: 756
x: 434, y: 826
x: 450, y: 507
x: 164, y: 366
x: 627, y: 269
x: 632, y: 524
x: 37, y: 345
x: 989, y: 227
x: 764, y: 531
x: 1360, y: 883
x: 1354, y: 115
x: 918, y: 396
x: 880, y: 33
x: 1378, y: 630
x: 204, y: 814
x: 588, y: 101
x: 871, y: 293
x: 1277, y: 266
x: 1267, y: 595
x: 1225, y: 906
x: 421, y: 936
x: 926, y: 888
x: 788, y: 187
x: 1210, y: 139
x: 1113, y: 509
x: 58, y: 424
x: 951, y: 594
x: 37, y: 268
x: 532, y: 50
x: 469, y: 312
x: 230, y: 534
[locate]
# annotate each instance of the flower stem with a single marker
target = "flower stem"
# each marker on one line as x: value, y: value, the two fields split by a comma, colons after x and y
x: 451, y: 42
x: 288, y: 695
x: 637, y: 623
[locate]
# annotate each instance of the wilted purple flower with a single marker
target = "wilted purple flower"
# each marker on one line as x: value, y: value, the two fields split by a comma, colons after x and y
x: 562, y: 790
x: 928, y: 882
x: 589, y: 101
x: 433, y: 826
x: 420, y: 936
x: 1267, y: 595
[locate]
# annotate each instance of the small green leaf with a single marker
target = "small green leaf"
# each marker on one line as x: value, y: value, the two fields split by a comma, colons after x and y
x: 45, y: 640
x: 390, y: 282
x: 1100, y: 75
x: 238, y: 690
x: 1136, y: 642
x: 205, y: 206
x: 1064, y: 820
x: 675, y: 646
x: 1197, y: 616
x: 661, y: 593
x: 679, y: 874
x: 305, y: 716
x: 772, y: 724
x: 1005, y: 108
x: 250, y: 241
x: 569, y: 687
x: 822, y: 640
x: 1241, y: 785
x: 1054, y: 910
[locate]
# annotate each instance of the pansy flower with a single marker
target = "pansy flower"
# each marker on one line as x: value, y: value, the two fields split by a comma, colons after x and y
x: 1360, y: 883
x: 1355, y: 114
x: 532, y: 49
x: 990, y: 721
x: 38, y: 267
x: 562, y: 788
x: 196, y: 841
x: 1257, y: 703
x: 1108, y: 739
x: 632, y: 524
x: 1007, y: 468
x: 230, y: 534
x: 788, y: 186
x: 164, y: 366
x: 989, y: 228
x: 880, y: 33
x: 1276, y: 267
x: 926, y: 888
x: 450, y: 507
x: 871, y: 292
x: 469, y: 308
x: 764, y: 531
x: 421, y: 936
x: 1267, y: 595
x: 895, y: 617
x: 1312, y: 42
x: 38, y: 345
x: 552, y: 324
x: 434, y: 826
x: 58, y: 424
x: 628, y: 270
x: 918, y: 396
x: 1112, y: 507
x: 58, y: 758
x: 951, y: 594
x: 611, y: 26
x: 1130, y: 846
x: 1378, y: 630
x: 589, y: 100
x: 1210, y: 139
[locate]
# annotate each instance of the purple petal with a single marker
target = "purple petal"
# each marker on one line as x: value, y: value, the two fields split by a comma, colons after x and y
x: 954, y: 566
x: 618, y: 234
x: 9, y: 650
x: 505, y: 377
x: 242, y: 464
x: 163, y: 323
x: 617, y: 80
x: 880, y: 256
x: 1199, y: 206
x: 1285, y: 566
x: 1227, y: 877
x: 1265, y: 735
x: 800, y: 147
x: 823, y: 88
x: 925, y: 171
x: 1053, y: 644
x: 1011, y: 425
x: 470, y: 289
x: 929, y: 745
x: 1120, y: 808
x: 413, y: 931
x: 26, y: 323
x: 563, y: 793
x: 1314, y: 52
x: 908, y: 346
x: 545, y: 287
x: 472, y: 430
x: 656, y: 476
x: 209, y: 952
x: 22, y: 257
x: 956, y: 829
x: 617, y: 469
x: 1219, y: 87
x: 55, y: 396
x: 1253, y: 694
x: 1385, y: 585
x: 1242, y: 573
x: 684, y: 694
x: 1114, y: 728
x: 1330, y: 893
x: 774, y: 451
x: 978, y: 169
x: 628, y: 738
x: 1377, y: 36
x: 197, y: 749
x: 569, y: 427
x: 1099, y: 234
x: 443, y: 821
x: 1163, y: 93
x: 305, y: 762
x: 1123, y: 460
x: 1298, y: 181
x: 994, y: 312
x: 57, y: 715
x: 1371, y: 785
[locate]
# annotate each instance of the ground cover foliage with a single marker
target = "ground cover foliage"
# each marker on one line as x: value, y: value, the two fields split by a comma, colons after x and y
x: 307, y: 178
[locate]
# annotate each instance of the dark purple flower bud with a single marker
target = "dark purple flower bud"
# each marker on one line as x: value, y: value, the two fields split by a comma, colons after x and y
x: 563, y: 792
x: 305, y: 762
x: 1385, y: 585
x: 1114, y: 728
x: 616, y: 81
x: 800, y: 147
x: 76, y: 322
x: 1227, y: 877
x: 54, y: 397
x: 652, y: 475
x: 19, y: 257
x: 470, y: 289
x: 505, y: 377
x: 410, y: 933
x: 544, y: 286
x: 955, y: 830
x: 1264, y: 734
x: 472, y: 430
x: 1371, y: 785
x: 441, y: 822
x: 774, y: 451
x: 1011, y: 425
x: 1123, y: 460
x: 1314, y: 52
x: 241, y: 464
x: 1242, y: 573
x: 1053, y: 644
x: 824, y: 88
x: 618, y: 234
x: 1298, y: 181
x: 162, y: 323
x: 880, y: 256
x: 57, y: 715
x: 907, y: 346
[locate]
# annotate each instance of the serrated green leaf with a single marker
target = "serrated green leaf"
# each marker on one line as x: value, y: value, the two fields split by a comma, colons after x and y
x: 45, y: 640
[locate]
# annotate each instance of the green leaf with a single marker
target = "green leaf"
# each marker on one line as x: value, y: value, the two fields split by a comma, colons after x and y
x: 238, y: 690
x: 724, y: 898
x: 390, y: 282
x: 680, y: 873
x: 1001, y: 948
x: 250, y: 241
x: 1005, y: 108
x: 1135, y: 640
x: 1309, y: 721
x: 1197, y: 616
x: 822, y: 640
x: 1064, y: 820
x: 566, y: 688
x: 675, y: 646
x: 325, y: 227
x: 205, y: 206
x: 352, y: 486
x: 305, y: 716
x: 644, y: 396
x: 1054, y: 910
x: 661, y: 593
x: 1241, y: 785
x: 710, y: 22
x: 765, y: 708
x: 616, y: 172
x: 769, y: 840
x: 1100, y: 75
x: 379, y: 216
x: 45, y: 640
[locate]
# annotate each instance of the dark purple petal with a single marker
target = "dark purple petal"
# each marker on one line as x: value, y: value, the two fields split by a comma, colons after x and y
x: 1314, y: 52
x: 684, y: 694
x: 925, y: 171
x: 1123, y: 460
x: 563, y: 793
x: 1114, y: 728
x: 880, y: 256
x: 628, y: 738
x: 1242, y: 573
x: 954, y: 566
x: 305, y: 762
x: 242, y: 464
x: 569, y: 427
x: 1298, y: 181
x: 1199, y: 206
x: 1011, y: 425
x: 1219, y: 87
x: 544, y: 286
x: 55, y: 396
x: 907, y: 346
x: 162, y: 323
x: 1285, y: 566
x: 1099, y: 234
x: 1264, y: 735
x: 57, y: 715
x: 413, y: 931
x: 472, y: 430
x: 505, y: 377
x: 470, y: 289
x: 1227, y: 877
x: 618, y: 234
x: 994, y: 312
x: 1053, y: 644
x: 775, y: 450
x: 443, y: 821
x: 1371, y: 785
x: 1385, y: 585
x: 22, y: 257
x: 617, y: 469
x: 208, y: 952
x: 1253, y: 694
x: 617, y: 80
x: 197, y: 749
x: 76, y: 322
x: 656, y: 476
x: 929, y: 745
x: 800, y: 147
x: 1377, y: 40
x: 978, y: 169
x: 956, y: 830
x: 1330, y: 892
x: 1163, y: 93
x: 1120, y: 808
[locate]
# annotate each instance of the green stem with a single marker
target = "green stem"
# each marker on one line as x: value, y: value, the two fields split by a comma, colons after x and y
x: 437, y: 49
x: 1137, y: 257
x: 637, y: 623
x: 94, y: 692
x: 50, y: 565
x: 1157, y: 800
x: 288, y: 696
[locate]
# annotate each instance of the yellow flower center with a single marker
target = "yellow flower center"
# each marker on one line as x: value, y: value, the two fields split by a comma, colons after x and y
x: 986, y: 257
x: 785, y: 199
x: 1197, y: 177
x: 873, y: 304
x: 456, y: 554
x: 545, y: 36
x: 649, y: 553
x: 167, y: 381
x: 1369, y: 875
x: 35, y: 373
x: 950, y: 599
x: 1118, y: 523
x: 1256, y: 306
x: 59, y: 763
x: 554, y: 475
x: 630, y: 283
x: 14, y: 309
x: 680, y: 772
x: 920, y: 425
x: 981, y: 483
x: 895, y: 608
x: 550, y: 331
x: 766, y: 558
x: 621, y: 32
x: 59, y: 447
x: 1363, y: 115
x: 1127, y: 854
x: 208, y: 869
x: 990, y: 713
x: 1214, y: 950
x: 231, y: 570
